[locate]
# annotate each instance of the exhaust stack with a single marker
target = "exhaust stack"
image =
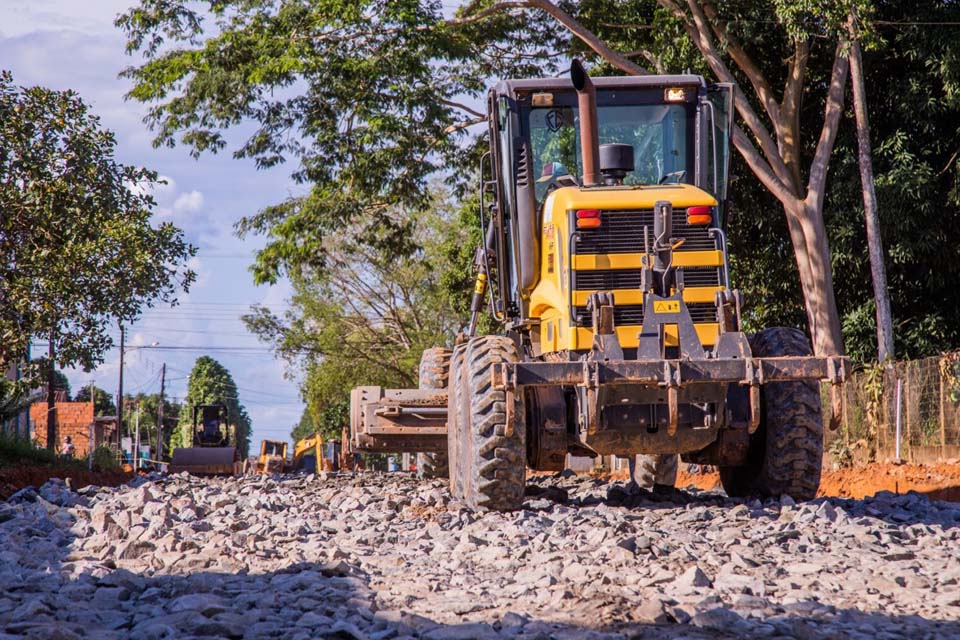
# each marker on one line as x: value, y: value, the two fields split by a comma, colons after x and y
x: 589, y: 137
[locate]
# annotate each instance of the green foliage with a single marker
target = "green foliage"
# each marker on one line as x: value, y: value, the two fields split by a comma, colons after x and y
x: 949, y: 367
x: 15, y: 450
x: 41, y: 370
x: 78, y: 253
x: 330, y: 423
x: 13, y: 400
x: 103, y: 404
x: 913, y: 88
x: 105, y: 459
x: 368, y: 89
x: 368, y: 316
x: 306, y: 426
x: 211, y: 383
x: 366, y: 96
x: 149, y: 405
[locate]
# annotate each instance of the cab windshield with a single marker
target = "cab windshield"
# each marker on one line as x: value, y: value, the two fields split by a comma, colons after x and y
x: 661, y: 136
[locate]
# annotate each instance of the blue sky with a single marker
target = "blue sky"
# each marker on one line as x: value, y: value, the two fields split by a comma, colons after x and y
x: 73, y: 44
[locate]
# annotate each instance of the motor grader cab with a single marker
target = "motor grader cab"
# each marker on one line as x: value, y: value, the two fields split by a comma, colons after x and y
x: 212, y: 452
x: 605, y: 262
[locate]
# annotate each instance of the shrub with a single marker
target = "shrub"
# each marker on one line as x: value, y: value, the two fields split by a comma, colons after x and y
x: 104, y: 459
x: 14, y: 450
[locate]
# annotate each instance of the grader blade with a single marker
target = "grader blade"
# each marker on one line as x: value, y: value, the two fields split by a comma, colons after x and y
x: 398, y: 420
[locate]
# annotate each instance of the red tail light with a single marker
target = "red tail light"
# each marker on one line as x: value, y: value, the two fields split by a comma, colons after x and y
x: 588, y: 218
x: 699, y: 215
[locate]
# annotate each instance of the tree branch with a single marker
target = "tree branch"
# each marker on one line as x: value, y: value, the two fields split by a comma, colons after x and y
x: 649, y: 57
x: 759, y: 82
x: 572, y: 25
x: 459, y: 126
x: 831, y: 119
x: 789, y: 137
x: 761, y: 168
x: 699, y: 32
x: 457, y: 105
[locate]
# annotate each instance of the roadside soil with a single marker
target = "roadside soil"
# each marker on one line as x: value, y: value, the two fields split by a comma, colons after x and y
x: 939, y: 482
x: 16, y: 477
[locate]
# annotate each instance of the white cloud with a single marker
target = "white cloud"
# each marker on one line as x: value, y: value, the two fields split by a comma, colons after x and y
x: 190, y: 202
x: 164, y: 190
x: 94, y: 17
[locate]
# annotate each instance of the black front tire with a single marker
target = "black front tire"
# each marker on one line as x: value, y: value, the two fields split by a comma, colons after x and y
x: 488, y: 435
x: 786, y: 451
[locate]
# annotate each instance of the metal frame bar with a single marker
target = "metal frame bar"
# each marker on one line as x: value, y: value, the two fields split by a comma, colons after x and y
x: 669, y: 373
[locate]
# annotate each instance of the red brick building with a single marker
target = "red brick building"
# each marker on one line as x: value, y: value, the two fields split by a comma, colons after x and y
x: 74, y: 419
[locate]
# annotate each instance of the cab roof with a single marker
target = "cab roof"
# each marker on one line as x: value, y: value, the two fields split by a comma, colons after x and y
x: 562, y: 83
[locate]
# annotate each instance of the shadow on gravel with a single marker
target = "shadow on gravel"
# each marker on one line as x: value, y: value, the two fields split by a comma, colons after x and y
x: 49, y: 590
x: 901, y: 510
x: 306, y: 601
x: 335, y: 601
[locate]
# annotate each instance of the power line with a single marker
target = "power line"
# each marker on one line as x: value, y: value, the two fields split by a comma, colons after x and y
x: 221, y: 303
x: 200, y: 331
x: 201, y: 347
x: 145, y: 385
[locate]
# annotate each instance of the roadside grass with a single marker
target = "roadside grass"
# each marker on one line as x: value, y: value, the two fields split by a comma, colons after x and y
x: 17, y: 451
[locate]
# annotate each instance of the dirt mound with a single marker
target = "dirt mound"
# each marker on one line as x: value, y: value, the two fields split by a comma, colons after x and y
x: 14, y: 478
x: 939, y: 482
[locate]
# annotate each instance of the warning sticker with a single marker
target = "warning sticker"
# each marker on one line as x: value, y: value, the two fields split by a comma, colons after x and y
x: 666, y: 306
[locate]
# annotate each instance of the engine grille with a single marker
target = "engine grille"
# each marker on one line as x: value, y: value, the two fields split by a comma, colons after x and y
x: 622, y: 232
x: 630, y: 278
x: 633, y: 314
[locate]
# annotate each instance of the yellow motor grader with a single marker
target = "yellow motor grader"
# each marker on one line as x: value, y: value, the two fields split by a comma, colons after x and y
x: 605, y: 260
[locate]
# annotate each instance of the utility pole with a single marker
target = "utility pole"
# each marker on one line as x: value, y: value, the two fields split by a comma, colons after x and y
x: 120, y: 393
x: 136, y: 442
x: 91, y: 445
x: 163, y: 381
x: 51, y: 400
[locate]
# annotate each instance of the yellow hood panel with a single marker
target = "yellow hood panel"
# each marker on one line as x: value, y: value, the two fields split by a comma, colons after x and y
x: 638, y: 197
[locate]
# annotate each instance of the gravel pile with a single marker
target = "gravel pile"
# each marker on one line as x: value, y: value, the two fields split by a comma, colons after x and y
x: 385, y: 556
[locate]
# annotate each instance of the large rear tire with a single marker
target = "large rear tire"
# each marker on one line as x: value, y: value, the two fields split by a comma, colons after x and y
x: 434, y: 374
x: 654, y: 472
x: 786, y: 451
x: 487, y: 436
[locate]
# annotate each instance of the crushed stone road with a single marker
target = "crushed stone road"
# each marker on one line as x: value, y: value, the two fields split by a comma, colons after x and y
x: 384, y: 556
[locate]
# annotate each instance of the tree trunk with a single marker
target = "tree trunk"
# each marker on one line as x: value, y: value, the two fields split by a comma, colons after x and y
x: 809, y: 237
x: 874, y: 242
